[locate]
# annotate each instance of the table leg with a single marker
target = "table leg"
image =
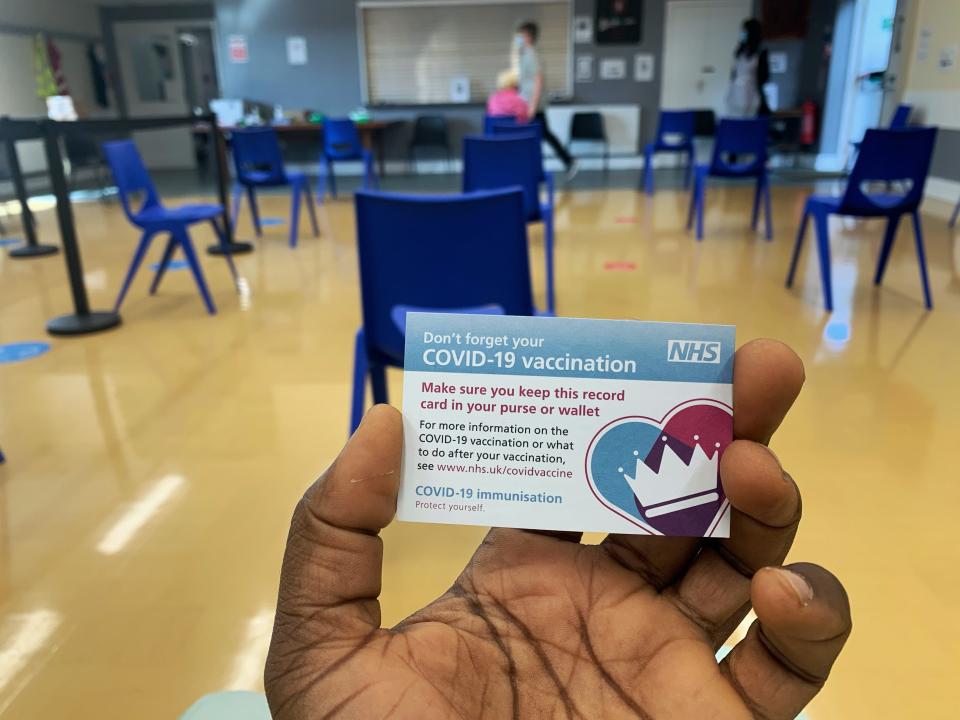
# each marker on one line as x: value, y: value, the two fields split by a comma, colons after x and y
x: 32, y: 248
x: 220, y: 151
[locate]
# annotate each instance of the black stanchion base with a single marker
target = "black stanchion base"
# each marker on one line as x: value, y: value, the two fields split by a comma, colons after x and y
x: 236, y: 248
x: 83, y: 324
x: 27, y: 251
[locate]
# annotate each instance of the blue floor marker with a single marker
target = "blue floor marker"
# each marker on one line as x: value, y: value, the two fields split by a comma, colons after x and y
x: 174, y: 265
x: 15, y: 352
x: 272, y: 221
x: 10, y: 241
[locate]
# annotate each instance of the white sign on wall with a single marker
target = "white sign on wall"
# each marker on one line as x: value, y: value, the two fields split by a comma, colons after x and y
x: 582, y: 29
x: 237, y: 49
x: 296, y: 50
x: 948, y: 58
x: 643, y: 67
x: 584, y: 71
x: 778, y: 63
x: 460, y: 89
x: 613, y: 69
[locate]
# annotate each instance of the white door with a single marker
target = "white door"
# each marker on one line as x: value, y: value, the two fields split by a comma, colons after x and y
x: 700, y: 38
x: 152, y: 77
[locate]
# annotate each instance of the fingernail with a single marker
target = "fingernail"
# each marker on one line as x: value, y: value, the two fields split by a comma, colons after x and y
x: 798, y: 585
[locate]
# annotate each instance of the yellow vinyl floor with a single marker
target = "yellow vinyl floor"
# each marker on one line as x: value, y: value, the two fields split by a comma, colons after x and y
x: 151, y: 470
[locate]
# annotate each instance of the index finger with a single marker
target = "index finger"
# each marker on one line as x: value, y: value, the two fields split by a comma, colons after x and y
x: 767, y: 377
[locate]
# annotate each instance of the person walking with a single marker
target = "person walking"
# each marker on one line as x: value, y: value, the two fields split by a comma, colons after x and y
x: 751, y: 70
x: 532, y: 89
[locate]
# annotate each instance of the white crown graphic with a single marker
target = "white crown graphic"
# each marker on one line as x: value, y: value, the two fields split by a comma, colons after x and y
x: 678, y: 485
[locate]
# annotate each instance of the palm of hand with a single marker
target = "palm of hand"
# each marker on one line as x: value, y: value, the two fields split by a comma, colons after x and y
x: 539, y: 625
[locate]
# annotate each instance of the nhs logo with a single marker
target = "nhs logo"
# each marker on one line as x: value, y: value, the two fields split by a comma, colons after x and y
x: 693, y: 351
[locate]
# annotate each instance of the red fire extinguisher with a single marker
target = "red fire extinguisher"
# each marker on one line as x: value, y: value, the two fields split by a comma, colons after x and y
x: 808, y: 123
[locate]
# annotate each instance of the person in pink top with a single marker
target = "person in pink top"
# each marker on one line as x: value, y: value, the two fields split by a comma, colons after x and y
x: 506, y: 100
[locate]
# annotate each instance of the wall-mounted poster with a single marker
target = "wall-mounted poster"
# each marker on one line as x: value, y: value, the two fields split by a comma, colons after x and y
x: 584, y: 65
x: 582, y: 29
x: 619, y: 22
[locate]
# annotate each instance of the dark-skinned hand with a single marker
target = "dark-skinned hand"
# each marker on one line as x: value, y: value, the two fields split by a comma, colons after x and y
x: 539, y: 625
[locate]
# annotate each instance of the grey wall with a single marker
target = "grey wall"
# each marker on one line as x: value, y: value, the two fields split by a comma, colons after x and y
x: 330, y: 82
x: 946, y: 155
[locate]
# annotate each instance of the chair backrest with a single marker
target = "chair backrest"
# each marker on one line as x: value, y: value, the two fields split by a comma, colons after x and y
x: 257, y: 156
x: 82, y: 150
x: 744, y: 138
x: 131, y: 176
x: 900, y: 116
x: 512, y: 128
x: 587, y: 126
x: 430, y: 130
x: 675, y: 129
x: 439, y: 251
x: 490, y: 120
x: 890, y: 156
x: 341, y: 140
x: 493, y: 163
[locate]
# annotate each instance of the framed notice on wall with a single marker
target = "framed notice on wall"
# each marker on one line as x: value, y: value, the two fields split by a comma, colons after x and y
x: 619, y: 22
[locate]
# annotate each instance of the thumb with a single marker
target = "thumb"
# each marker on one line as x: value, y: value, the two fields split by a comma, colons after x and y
x: 331, y: 573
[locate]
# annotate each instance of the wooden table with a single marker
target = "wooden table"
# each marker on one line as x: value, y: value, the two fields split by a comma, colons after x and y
x: 371, y: 135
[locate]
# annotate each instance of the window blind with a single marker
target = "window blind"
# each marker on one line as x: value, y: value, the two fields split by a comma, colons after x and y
x: 413, y: 51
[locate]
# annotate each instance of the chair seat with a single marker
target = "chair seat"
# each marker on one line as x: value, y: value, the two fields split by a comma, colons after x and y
x: 263, y: 178
x: 181, y: 214
x: 665, y: 147
x: 731, y: 171
x: 886, y: 204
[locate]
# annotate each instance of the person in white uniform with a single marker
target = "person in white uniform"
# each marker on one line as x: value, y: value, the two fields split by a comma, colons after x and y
x: 751, y: 70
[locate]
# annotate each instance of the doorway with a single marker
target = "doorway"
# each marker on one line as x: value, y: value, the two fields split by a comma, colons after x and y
x: 699, y: 41
x: 167, y: 68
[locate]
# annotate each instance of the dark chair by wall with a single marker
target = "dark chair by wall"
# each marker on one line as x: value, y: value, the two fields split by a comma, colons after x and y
x: 83, y: 153
x: 408, y: 263
x: 899, y: 160
x: 589, y: 127
x: 429, y: 132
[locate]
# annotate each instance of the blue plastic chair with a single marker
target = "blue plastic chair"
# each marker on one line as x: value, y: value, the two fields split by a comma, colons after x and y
x: 259, y: 163
x: 491, y: 163
x: 674, y: 135
x: 132, y: 179
x: 746, y: 139
x: 490, y: 120
x: 898, y: 121
x: 448, y: 253
x: 341, y: 141
x: 894, y: 158
x: 512, y: 128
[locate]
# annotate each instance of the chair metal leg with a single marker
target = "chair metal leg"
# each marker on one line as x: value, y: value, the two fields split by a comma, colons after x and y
x: 689, y: 170
x: 548, y: 252
x: 922, y: 260
x: 237, y: 200
x: 767, y: 215
x: 889, y: 236
x: 693, y: 202
x: 378, y: 383
x: 756, y: 204
x: 701, y: 201
x: 164, y: 263
x: 222, y: 238
x: 254, y: 210
x: 311, y: 209
x: 648, y: 170
x: 821, y: 220
x: 332, y: 179
x: 183, y: 237
x: 295, y: 190
x: 360, y: 371
x: 138, y: 256
x: 797, y: 247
